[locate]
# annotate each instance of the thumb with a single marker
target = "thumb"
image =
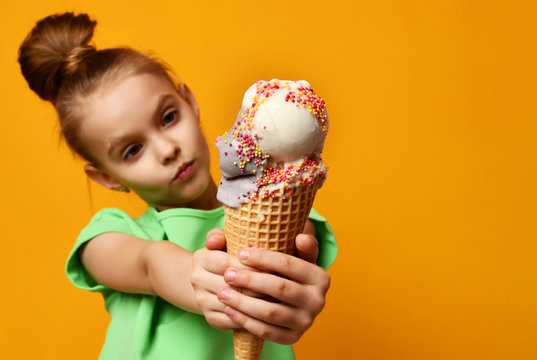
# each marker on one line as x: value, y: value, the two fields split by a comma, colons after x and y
x: 215, y: 240
x: 307, y: 248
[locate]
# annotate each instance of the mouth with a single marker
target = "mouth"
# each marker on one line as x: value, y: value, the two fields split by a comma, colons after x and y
x: 184, y: 171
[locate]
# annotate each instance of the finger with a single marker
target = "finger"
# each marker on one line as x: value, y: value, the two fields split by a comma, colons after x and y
x: 277, y: 287
x: 213, y: 261
x: 307, y: 248
x: 211, y: 301
x: 263, y: 330
x: 221, y: 320
x: 216, y: 240
x: 208, y: 281
x: 216, y: 261
x: 268, y: 312
x: 287, y: 265
x: 309, y: 228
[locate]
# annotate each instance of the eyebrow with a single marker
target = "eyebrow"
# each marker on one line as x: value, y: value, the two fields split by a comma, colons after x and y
x: 118, y: 140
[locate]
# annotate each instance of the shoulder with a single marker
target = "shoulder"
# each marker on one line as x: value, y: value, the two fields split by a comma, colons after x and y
x: 110, y: 219
x: 111, y: 214
x: 117, y: 215
x: 144, y: 226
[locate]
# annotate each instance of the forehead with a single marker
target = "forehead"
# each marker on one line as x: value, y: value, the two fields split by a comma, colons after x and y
x: 115, y: 109
x: 127, y: 98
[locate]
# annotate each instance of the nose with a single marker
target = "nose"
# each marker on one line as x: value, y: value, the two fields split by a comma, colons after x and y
x: 167, y: 149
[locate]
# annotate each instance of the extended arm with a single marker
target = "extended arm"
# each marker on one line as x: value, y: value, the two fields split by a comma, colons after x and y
x: 187, y: 280
x: 130, y: 264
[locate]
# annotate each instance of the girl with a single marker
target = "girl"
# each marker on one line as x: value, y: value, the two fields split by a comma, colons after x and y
x: 167, y: 282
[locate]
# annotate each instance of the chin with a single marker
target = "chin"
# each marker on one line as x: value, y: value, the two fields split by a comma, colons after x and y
x: 197, y: 186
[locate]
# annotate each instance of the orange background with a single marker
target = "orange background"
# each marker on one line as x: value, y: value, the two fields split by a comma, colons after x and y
x: 431, y: 187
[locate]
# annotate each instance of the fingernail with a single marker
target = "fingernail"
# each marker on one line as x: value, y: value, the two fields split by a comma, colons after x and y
x: 230, y: 275
x: 225, y: 294
x: 243, y: 254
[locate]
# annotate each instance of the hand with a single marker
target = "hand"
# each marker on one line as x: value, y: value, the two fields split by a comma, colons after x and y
x: 301, y: 290
x: 208, y: 266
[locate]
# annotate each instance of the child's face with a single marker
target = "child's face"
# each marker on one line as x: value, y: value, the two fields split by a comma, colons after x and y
x: 142, y: 130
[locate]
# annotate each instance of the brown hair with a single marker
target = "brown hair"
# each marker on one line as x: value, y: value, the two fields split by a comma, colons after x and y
x: 61, y: 65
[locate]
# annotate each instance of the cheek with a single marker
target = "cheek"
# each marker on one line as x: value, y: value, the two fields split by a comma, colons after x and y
x: 202, y: 153
x: 198, y: 141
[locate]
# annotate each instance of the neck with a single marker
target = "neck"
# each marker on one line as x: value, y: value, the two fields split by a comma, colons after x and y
x: 206, y: 201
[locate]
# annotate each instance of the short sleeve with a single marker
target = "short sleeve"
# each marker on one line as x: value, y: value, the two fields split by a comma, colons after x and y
x: 327, y: 240
x: 105, y: 220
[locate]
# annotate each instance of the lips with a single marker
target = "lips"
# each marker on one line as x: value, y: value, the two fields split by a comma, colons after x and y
x: 181, y: 171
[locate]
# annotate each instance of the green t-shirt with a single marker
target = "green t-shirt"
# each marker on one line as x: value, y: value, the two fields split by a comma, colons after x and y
x: 148, y: 327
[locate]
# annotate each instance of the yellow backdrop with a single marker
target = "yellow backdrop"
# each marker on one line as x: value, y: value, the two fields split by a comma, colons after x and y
x: 431, y: 186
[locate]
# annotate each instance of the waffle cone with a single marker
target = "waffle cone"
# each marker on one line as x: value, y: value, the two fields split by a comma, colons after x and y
x: 268, y: 222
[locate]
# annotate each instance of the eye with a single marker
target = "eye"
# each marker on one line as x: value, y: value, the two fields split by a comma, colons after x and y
x: 170, y: 117
x: 130, y: 152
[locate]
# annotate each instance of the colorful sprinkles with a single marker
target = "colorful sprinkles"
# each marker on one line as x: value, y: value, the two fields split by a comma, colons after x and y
x: 301, y: 173
x: 301, y: 95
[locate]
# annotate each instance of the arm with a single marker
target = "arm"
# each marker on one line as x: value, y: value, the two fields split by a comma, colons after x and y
x: 187, y: 280
x: 134, y: 265
x: 169, y: 269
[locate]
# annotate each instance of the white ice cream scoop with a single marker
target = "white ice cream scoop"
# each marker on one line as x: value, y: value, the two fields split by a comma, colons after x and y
x: 286, y: 131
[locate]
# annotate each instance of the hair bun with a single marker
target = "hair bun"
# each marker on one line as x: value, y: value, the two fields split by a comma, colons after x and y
x: 75, y: 56
x: 53, y: 50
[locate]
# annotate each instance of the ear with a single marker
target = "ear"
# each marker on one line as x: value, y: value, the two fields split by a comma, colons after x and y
x: 102, y: 178
x: 187, y: 95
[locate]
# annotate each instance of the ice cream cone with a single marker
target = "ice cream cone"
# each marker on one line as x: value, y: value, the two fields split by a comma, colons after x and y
x: 270, y: 221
